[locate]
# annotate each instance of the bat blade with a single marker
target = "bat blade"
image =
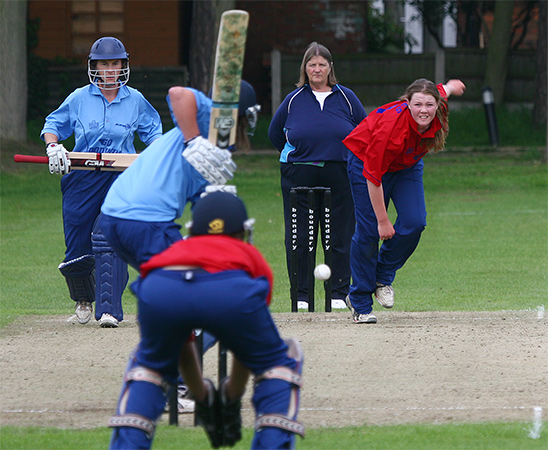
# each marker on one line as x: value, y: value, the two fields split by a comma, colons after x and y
x: 116, y: 162
x: 225, y: 93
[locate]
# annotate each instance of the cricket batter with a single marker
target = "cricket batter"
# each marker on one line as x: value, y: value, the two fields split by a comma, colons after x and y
x: 139, y: 213
x: 215, y: 281
x: 104, y: 117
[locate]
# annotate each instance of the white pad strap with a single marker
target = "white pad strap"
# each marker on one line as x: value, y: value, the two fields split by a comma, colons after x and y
x: 133, y: 421
x: 281, y: 373
x: 279, y: 421
x: 141, y: 373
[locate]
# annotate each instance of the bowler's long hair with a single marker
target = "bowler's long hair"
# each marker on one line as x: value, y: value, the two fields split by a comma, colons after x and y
x: 315, y: 49
x: 427, y: 87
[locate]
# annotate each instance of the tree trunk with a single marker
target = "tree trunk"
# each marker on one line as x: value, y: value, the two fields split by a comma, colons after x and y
x: 495, y: 71
x: 13, y: 70
x: 206, y: 15
x: 541, y: 98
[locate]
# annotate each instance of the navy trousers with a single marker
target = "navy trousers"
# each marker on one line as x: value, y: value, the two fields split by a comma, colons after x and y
x: 369, y: 264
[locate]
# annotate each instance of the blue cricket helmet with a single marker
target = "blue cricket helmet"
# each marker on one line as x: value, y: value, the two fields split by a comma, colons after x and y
x: 108, y: 48
x: 218, y: 213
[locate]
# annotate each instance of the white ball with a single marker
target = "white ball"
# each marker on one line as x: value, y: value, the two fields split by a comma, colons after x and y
x: 322, y: 272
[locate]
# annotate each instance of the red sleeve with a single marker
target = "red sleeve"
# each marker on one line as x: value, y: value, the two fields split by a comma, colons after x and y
x: 379, y: 139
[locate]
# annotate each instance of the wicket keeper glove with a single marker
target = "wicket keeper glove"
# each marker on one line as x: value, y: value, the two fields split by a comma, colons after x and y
x: 59, y: 161
x: 213, y: 163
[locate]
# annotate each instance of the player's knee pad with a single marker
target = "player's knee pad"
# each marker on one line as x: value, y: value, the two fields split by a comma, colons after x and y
x: 141, y: 403
x: 276, y: 400
x: 112, y: 277
x: 80, y: 276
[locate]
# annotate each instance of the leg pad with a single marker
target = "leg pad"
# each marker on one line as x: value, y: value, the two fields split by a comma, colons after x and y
x: 80, y: 276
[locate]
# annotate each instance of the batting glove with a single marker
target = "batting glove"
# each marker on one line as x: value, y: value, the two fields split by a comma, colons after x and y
x: 213, y: 163
x: 59, y: 161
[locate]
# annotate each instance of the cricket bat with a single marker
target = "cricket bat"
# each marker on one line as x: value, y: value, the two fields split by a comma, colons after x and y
x: 227, y: 76
x: 116, y: 162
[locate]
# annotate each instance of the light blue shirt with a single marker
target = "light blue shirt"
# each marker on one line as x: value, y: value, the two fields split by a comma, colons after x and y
x: 160, y: 182
x: 102, y: 127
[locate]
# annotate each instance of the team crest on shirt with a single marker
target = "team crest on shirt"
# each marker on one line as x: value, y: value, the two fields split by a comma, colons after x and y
x: 216, y: 226
x: 93, y: 125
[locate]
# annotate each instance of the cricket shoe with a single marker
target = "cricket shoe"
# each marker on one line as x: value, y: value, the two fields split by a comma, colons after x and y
x: 83, y: 312
x: 338, y: 303
x: 302, y: 305
x: 364, y: 318
x: 108, y: 321
x: 184, y: 403
x: 356, y: 316
x: 385, y: 295
x: 185, y: 406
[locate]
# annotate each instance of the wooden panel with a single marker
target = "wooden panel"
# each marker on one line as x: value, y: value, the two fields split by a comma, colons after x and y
x: 152, y: 32
x: 54, y: 34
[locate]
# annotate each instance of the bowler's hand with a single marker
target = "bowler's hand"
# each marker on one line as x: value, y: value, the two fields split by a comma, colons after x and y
x: 455, y: 87
x: 386, y: 230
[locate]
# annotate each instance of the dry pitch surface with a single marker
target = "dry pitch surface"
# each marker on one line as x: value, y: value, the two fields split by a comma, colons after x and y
x: 423, y: 367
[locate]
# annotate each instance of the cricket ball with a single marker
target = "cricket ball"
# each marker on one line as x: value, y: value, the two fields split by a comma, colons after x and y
x: 322, y: 272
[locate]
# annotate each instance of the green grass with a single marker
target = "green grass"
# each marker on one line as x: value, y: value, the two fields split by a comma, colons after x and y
x: 503, y: 436
x: 485, y: 248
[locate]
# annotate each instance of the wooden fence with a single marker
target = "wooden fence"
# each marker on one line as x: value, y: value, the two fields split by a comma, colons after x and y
x: 378, y: 79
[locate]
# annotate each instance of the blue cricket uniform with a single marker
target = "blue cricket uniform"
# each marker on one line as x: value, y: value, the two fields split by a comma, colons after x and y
x: 99, y: 126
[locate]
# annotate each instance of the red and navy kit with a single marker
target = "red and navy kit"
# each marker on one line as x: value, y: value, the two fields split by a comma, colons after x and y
x: 386, y: 149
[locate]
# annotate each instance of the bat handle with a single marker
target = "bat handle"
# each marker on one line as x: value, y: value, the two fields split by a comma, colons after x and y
x: 31, y: 159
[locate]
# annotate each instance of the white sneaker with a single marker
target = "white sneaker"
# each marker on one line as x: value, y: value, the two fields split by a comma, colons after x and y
x: 364, y: 318
x: 108, y: 321
x: 338, y: 303
x: 83, y: 312
x: 385, y: 295
x: 185, y: 405
x: 356, y: 316
x: 302, y: 305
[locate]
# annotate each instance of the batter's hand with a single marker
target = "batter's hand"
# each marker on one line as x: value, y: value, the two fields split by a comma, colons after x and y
x: 213, y: 163
x: 59, y: 161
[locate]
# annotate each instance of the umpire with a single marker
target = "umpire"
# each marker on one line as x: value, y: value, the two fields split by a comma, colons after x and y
x: 308, y: 129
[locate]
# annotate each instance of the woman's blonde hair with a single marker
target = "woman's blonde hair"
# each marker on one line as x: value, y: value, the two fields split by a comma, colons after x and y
x: 315, y: 49
x: 427, y: 87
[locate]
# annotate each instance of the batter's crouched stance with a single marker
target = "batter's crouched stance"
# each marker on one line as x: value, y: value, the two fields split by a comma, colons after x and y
x: 217, y: 282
